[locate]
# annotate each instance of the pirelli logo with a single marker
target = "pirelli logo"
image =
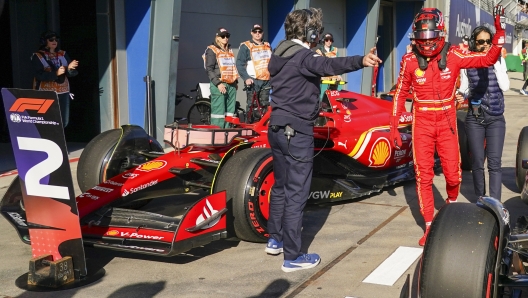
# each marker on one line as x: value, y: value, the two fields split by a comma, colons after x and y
x: 35, y: 104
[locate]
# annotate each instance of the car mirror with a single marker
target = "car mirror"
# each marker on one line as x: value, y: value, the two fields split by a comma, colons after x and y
x: 525, y: 164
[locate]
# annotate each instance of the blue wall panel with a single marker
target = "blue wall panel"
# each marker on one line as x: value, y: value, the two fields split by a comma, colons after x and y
x: 404, y: 15
x: 277, y: 12
x: 137, y: 14
x: 356, y: 23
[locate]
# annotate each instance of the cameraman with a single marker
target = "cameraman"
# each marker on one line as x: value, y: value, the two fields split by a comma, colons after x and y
x: 296, y: 72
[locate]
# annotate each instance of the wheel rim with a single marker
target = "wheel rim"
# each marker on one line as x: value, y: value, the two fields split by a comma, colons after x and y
x: 258, y: 194
x: 264, y: 194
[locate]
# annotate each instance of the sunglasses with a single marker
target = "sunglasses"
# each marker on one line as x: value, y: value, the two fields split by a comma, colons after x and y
x: 482, y: 41
x: 224, y: 36
x: 329, y: 40
x: 53, y: 39
x: 258, y: 31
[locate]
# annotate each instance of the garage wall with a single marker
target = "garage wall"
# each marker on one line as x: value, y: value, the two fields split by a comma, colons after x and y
x: 334, y: 22
x: 199, y: 22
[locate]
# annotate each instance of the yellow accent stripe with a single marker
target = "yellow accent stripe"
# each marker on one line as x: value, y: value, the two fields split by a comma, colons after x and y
x: 435, y: 109
x: 364, y: 135
x: 358, y: 144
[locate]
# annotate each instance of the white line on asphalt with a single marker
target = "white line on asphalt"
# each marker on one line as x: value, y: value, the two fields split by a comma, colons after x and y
x: 394, y: 266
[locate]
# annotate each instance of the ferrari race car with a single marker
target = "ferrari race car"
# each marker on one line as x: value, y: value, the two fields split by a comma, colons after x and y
x: 122, y: 170
x: 472, y: 250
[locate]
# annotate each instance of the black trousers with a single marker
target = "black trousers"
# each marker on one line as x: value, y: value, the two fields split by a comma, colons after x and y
x: 291, y: 189
x: 486, y: 140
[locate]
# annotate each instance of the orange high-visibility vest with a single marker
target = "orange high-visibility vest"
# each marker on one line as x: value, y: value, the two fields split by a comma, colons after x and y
x: 260, y: 56
x: 52, y: 85
x: 226, y: 63
x: 331, y: 54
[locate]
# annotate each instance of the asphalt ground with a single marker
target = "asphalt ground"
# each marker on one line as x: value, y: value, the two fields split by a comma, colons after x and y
x: 353, y: 239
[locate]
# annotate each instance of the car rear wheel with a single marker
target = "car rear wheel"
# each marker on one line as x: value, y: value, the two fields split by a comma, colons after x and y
x: 460, y: 253
x: 522, y: 153
x: 247, y: 178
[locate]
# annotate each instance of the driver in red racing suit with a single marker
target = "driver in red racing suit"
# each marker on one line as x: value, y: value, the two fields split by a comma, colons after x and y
x: 432, y: 69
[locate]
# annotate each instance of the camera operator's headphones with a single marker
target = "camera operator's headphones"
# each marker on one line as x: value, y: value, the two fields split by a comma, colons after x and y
x: 473, y: 38
x: 311, y: 33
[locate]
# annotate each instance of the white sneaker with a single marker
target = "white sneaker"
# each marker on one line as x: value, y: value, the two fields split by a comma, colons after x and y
x: 523, y: 92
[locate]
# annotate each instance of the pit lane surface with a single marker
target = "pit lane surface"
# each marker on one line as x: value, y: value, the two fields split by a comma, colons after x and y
x: 353, y: 239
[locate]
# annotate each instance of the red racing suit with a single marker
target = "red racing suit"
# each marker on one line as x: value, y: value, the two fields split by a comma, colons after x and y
x: 434, y: 117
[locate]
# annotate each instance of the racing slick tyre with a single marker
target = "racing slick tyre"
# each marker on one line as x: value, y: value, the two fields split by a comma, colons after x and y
x: 93, y: 160
x: 465, y: 160
x: 522, y: 153
x: 200, y: 112
x: 247, y: 178
x: 460, y: 253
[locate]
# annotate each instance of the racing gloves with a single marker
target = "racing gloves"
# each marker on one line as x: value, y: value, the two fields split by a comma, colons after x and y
x: 500, y: 25
x: 395, y: 136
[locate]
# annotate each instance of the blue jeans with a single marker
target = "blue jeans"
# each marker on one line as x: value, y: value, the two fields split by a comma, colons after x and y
x: 486, y: 140
x: 64, y: 105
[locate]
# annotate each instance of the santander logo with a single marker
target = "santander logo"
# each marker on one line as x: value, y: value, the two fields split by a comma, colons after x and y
x: 208, y: 211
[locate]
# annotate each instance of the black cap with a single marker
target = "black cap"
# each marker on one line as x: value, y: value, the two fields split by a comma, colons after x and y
x: 222, y: 32
x: 49, y: 34
x: 328, y: 36
x: 256, y: 27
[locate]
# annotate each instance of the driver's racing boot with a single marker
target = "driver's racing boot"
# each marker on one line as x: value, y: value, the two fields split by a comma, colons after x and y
x: 449, y: 201
x: 421, y: 242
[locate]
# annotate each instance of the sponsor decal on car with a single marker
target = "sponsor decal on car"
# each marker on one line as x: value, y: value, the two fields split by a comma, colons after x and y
x: 17, y: 218
x: 89, y: 195
x: 129, y: 175
x: 113, y: 183
x: 117, y: 233
x: 343, y: 144
x: 400, y: 153
x: 334, y: 93
x: 136, y: 189
x: 139, y: 248
x: 380, y: 153
x: 103, y: 189
x: 254, y: 220
x: 325, y: 194
x: 152, y: 165
x: 208, y: 211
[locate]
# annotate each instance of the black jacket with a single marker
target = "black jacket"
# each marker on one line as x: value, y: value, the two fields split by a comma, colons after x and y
x: 295, y: 77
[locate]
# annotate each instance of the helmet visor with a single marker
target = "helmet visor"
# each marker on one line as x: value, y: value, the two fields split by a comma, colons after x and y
x: 426, y: 34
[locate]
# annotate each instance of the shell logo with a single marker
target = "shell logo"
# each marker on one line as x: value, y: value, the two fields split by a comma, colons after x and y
x: 380, y: 153
x: 419, y: 73
x: 112, y: 233
x: 152, y: 165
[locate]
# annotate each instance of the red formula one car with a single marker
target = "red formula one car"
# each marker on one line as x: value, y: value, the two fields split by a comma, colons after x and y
x: 122, y: 169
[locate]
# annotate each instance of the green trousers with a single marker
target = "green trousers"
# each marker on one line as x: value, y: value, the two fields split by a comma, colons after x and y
x: 222, y: 104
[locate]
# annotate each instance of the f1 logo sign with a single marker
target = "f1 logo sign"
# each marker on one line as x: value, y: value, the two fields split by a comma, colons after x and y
x: 39, y: 105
